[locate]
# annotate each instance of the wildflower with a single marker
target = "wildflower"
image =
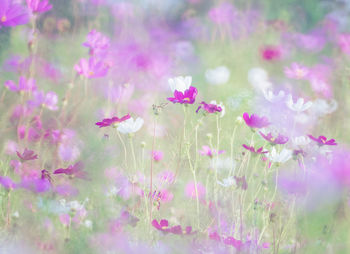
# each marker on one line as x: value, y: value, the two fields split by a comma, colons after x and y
x: 96, y: 42
x: 191, y: 192
x: 114, y: 121
x: 217, y: 76
x: 321, y: 107
x: 296, y: 71
x: 322, y: 140
x: 299, y: 106
x: 254, y: 121
x: 39, y: 6
x: 271, y: 97
x: 7, y: 182
x: 281, y: 157
x: 40, y: 99
x: 252, y: 149
x: 27, y: 155
x: 130, y: 125
x: 23, y: 85
x: 280, y: 139
x: 75, y: 170
x: 186, y: 97
x: 206, y: 151
x: 163, y: 225
x: 209, y: 108
x: 92, y: 68
x: 227, y: 182
x: 46, y: 175
x: 259, y: 79
x: 12, y: 14
x: 157, y: 155
x: 241, y: 182
x: 270, y: 53
x: 180, y: 84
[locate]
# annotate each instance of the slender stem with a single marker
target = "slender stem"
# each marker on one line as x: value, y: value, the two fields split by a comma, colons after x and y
x: 151, y: 171
x: 124, y: 146
x: 133, y: 152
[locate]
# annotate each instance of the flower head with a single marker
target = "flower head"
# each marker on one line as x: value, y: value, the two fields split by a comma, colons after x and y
x: 40, y: 99
x: 252, y: 149
x: 281, y: 157
x: 12, y: 14
x: 322, y: 140
x: 92, y: 68
x: 27, y: 155
x: 186, y: 97
x: 180, y: 84
x: 299, y: 106
x: 130, y: 125
x: 7, y: 182
x: 209, y: 108
x: 217, y: 76
x: 157, y: 155
x: 206, y: 151
x: 75, y: 170
x: 163, y: 225
x: 23, y: 85
x: 271, y: 97
x: 39, y: 6
x: 112, y: 121
x: 254, y: 121
x: 296, y: 71
x: 96, y: 42
x: 270, y: 53
x: 280, y: 139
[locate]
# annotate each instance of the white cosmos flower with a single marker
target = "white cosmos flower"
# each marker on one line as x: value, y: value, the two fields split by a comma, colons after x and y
x: 299, y: 106
x: 227, y: 182
x: 321, y: 107
x: 259, y: 79
x: 218, y: 76
x: 301, y: 141
x: 180, y: 83
x: 130, y: 125
x: 271, y: 97
x: 88, y: 224
x: 281, y: 157
x: 223, y: 111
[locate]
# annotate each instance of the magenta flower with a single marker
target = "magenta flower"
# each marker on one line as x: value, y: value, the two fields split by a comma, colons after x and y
x: 40, y: 99
x: 112, y: 121
x: 75, y: 170
x: 39, y: 6
x: 92, y: 68
x: 34, y: 184
x: 12, y: 14
x: 191, y: 192
x: 279, y: 140
x: 206, y: 151
x: 241, y: 182
x: 322, y: 140
x: 45, y: 175
x: 252, y: 149
x: 157, y: 155
x: 163, y: 226
x: 23, y: 85
x: 186, y: 97
x: 27, y: 155
x: 7, y: 182
x: 226, y: 240
x: 255, y: 121
x: 296, y: 71
x: 96, y: 42
x: 270, y: 53
x: 210, y: 108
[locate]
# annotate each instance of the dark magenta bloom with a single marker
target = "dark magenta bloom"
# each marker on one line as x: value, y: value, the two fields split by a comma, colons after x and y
x: 12, y: 14
x: 27, y: 155
x: 255, y: 121
x: 210, y: 108
x: 279, y: 140
x: 112, y: 121
x: 39, y: 6
x: 163, y: 226
x: 45, y: 175
x: 252, y: 149
x: 322, y: 140
x: 75, y: 170
x: 187, y: 97
x: 270, y: 53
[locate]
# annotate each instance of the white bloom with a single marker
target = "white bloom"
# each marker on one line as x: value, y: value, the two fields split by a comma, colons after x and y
x: 112, y: 192
x: 220, y: 163
x: 217, y: 76
x: 321, y: 107
x: 75, y: 205
x: 271, y: 97
x: 259, y: 79
x: 227, y: 182
x: 180, y: 83
x: 281, y: 157
x: 223, y: 111
x: 15, y: 214
x: 88, y: 224
x: 130, y: 125
x: 301, y: 141
x: 299, y: 106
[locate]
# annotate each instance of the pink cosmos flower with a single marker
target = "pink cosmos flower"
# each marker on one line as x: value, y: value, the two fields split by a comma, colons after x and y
x: 252, y: 149
x: 210, y: 108
x: 75, y: 170
x: 157, y: 155
x: 92, y: 68
x: 191, y: 192
x: 27, y: 155
x: 270, y: 53
x: 163, y: 226
x: 322, y: 140
x: 226, y: 240
x: 96, y: 42
x: 12, y: 14
x: 206, y: 151
x: 187, y: 97
x: 112, y: 121
x: 48, y: 100
x: 166, y: 177
x: 35, y: 184
x: 23, y: 85
x: 255, y: 121
x: 296, y: 71
x: 7, y: 182
x: 39, y: 6
x: 280, y: 139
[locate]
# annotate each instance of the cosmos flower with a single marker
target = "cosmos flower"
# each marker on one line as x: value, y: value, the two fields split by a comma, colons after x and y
x: 227, y: 182
x: 75, y: 170
x: 7, y: 182
x: 252, y: 149
x: 39, y: 6
x: 271, y: 97
x: 130, y: 125
x: 27, y: 155
x: 241, y: 182
x: 180, y: 83
x: 270, y: 53
x: 157, y: 155
x: 209, y: 108
x: 12, y: 14
x: 163, y: 225
x: 114, y: 121
x: 218, y: 76
x: 299, y: 106
x: 96, y: 42
x: 191, y: 192
x: 259, y: 79
x: 23, y: 85
x: 281, y: 157
x: 254, y: 121
x: 206, y: 151
x: 296, y: 71
x: 92, y: 68
x: 280, y: 139
x: 186, y: 97
x: 48, y: 100
x: 322, y: 140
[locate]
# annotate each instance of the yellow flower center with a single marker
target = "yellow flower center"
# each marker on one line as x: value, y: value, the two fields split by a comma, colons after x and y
x: 3, y: 19
x: 91, y: 73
